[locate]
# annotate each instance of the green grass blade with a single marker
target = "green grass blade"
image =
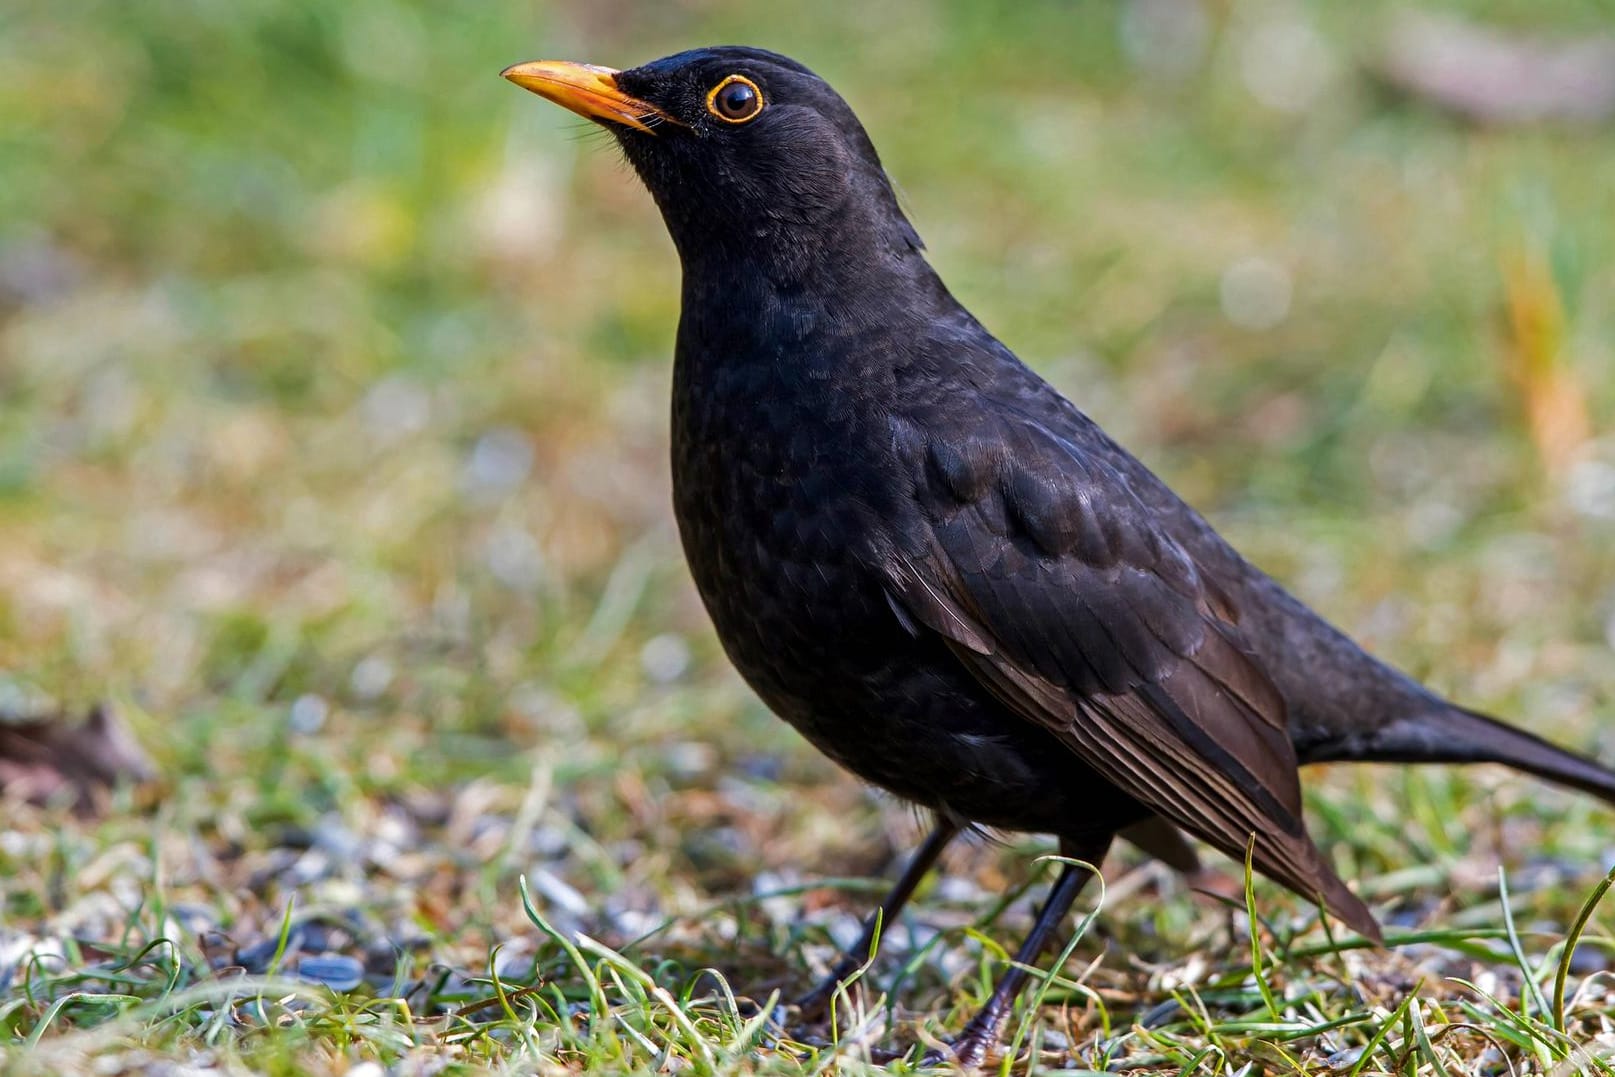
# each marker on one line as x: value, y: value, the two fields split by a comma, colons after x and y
x: 1562, y: 973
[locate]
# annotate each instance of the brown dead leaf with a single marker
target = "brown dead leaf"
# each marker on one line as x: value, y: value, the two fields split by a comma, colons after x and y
x: 41, y: 757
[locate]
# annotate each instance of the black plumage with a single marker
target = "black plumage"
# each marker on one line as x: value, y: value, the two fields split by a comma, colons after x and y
x: 932, y: 564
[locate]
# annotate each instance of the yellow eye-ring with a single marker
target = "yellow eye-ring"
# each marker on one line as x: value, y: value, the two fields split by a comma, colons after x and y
x: 735, y: 100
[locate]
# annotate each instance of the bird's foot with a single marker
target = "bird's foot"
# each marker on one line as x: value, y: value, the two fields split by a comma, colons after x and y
x: 971, y: 1047
x: 815, y: 1005
x: 967, y: 1053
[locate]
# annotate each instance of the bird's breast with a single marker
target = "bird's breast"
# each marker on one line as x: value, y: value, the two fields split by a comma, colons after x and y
x: 773, y: 499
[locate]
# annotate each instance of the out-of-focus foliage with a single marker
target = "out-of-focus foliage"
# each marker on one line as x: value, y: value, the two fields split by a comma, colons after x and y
x: 333, y: 374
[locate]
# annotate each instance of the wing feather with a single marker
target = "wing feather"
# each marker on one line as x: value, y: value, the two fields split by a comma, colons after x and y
x: 1055, y: 588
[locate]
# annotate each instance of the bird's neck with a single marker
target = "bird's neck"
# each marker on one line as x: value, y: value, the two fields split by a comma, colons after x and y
x: 849, y: 236
x: 781, y: 286
x: 799, y: 309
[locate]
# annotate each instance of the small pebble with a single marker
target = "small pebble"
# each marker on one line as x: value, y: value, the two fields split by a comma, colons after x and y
x: 370, y: 678
x: 499, y: 463
x: 1255, y: 293
x: 514, y: 558
x: 256, y: 958
x: 308, y: 714
x: 1344, y: 1059
x: 194, y: 918
x: 336, y: 971
x: 769, y: 768
x: 558, y: 892
x: 664, y: 658
x: 332, y: 835
x: 396, y: 408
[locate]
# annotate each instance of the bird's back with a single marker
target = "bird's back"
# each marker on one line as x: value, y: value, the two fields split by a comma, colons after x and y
x: 1334, y: 690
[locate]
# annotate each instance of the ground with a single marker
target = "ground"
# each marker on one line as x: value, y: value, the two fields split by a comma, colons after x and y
x: 333, y: 391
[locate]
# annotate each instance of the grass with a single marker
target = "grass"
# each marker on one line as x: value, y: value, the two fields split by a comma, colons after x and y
x: 333, y: 379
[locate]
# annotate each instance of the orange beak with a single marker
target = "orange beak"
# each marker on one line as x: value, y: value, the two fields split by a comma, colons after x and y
x: 588, y: 90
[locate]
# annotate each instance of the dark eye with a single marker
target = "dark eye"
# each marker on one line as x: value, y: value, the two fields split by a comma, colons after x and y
x: 735, y: 100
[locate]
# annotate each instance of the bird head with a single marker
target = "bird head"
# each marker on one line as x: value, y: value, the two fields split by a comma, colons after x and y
x: 747, y: 153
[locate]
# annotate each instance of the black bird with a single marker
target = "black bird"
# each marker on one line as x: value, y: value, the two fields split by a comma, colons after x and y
x: 934, y: 566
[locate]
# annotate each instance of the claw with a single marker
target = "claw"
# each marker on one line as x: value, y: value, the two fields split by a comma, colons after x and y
x: 980, y: 1036
x: 814, y: 1006
x: 968, y: 1051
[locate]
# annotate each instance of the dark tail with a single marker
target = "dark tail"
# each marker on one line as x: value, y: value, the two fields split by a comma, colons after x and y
x: 1455, y: 735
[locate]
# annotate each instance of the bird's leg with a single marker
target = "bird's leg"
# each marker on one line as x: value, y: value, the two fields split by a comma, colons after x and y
x: 815, y: 1002
x: 984, y: 1030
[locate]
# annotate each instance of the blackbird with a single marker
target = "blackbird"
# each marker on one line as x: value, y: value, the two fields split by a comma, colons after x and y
x: 944, y: 575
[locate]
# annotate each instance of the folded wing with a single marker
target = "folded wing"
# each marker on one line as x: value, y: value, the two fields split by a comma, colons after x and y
x: 1052, y: 585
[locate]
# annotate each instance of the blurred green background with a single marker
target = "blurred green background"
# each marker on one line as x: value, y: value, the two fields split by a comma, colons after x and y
x: 320, y: 343
x: 334, y: 372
